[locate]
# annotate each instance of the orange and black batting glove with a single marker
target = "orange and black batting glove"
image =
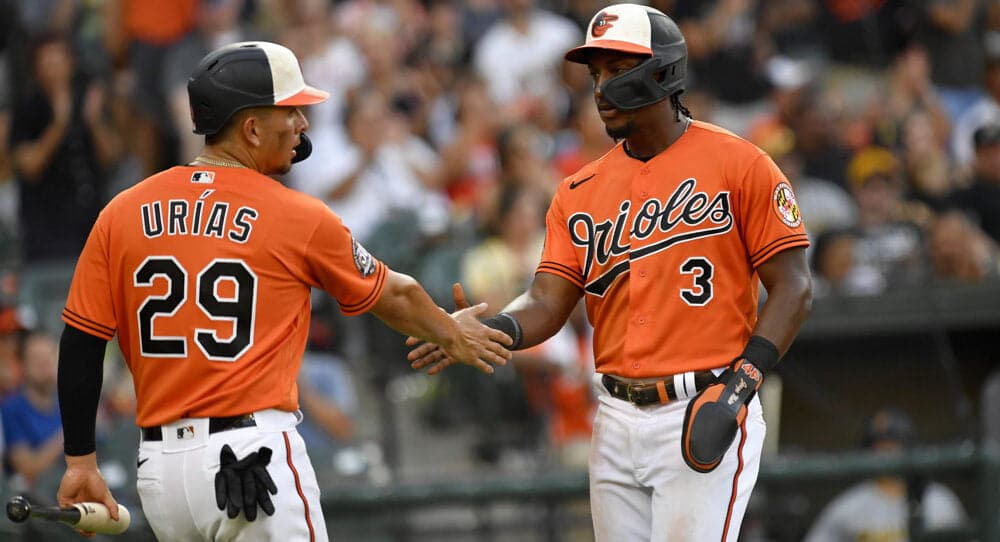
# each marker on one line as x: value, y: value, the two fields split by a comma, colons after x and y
x: 714, y: 415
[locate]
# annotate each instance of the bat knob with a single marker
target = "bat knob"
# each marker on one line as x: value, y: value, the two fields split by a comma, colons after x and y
x: 18, y: 509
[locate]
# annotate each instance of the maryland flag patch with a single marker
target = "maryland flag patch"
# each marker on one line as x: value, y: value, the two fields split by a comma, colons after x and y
x: 363, y: 260
x: 785, y: 205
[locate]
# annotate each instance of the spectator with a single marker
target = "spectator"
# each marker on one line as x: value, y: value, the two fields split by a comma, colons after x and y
x: 140, y: 34
x: 864, y: 34
x: 727, y: 56
x: 519, y: 57
x: 951, y: 31
x: 960, y: 251
x: 62, y: 146
x: 31, y: 423
x: 471, y: 162
x: 585, y: 139
x: 985, y: 111
x: 928, y: 168
x: 909, y: 91
x: 881, y: 508
x: 890, y: 242
x: 827, y: 205
x: 835, y: 271
x: 982, y: 198
x: 10, y: 339
x: 384, y: 170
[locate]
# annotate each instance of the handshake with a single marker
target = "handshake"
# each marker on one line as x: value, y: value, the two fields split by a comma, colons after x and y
x: 502, y: 334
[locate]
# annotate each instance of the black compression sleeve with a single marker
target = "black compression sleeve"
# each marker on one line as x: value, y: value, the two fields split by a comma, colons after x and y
x: 81, y: 370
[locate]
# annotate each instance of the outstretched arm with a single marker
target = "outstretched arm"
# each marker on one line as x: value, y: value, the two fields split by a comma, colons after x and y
x: 533, y: 317
x: 407, y: 308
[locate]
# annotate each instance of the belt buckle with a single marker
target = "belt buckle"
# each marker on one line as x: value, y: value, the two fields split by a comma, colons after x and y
x: 628, y: 393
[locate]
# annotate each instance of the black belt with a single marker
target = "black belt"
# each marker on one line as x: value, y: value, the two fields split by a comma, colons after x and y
x: 215, y: 425
x: 661, y: 391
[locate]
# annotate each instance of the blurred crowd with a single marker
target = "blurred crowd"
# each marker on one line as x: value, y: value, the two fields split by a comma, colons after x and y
x: 450, y: 124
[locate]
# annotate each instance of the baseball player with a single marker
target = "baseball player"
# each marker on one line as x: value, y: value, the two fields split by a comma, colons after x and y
x: 666, y: 237
x: 204, y: 272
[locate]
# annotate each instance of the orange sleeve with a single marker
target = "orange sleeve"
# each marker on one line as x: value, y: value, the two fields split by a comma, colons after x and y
x: 558, y: 254
x: 90, y: 307
x: 341, y: 266
x: 772, y: 221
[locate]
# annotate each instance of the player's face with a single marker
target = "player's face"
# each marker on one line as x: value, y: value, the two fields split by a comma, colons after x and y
x: 603, y: 65
x: 280, y: 135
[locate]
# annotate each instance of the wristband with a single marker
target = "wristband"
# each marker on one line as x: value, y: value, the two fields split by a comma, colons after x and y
x: 762, y: 353
x: 505, y: 322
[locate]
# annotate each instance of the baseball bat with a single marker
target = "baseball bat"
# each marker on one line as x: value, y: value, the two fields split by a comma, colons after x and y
x: 85, y: 516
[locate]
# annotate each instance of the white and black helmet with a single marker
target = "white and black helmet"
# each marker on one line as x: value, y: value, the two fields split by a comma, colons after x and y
x: 246, y: 74
x: 632, y: 28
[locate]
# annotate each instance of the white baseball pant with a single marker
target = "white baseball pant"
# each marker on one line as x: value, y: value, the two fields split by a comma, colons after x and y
x: 176, y: 482
x: 641, y: 488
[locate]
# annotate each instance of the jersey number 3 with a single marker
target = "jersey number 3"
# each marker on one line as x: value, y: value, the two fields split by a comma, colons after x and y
x: 238, y: 308
x: 701, y: 270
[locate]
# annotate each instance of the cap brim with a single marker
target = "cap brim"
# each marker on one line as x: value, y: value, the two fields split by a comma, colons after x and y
x: 579, y: 54
x: 307, y: 96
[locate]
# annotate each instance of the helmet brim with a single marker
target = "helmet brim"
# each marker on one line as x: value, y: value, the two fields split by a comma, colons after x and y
x: 307, y: 96
x: 580, y: 54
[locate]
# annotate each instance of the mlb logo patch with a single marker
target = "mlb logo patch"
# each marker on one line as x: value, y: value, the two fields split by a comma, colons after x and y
x: 185, y: 432
x: 203, y: 177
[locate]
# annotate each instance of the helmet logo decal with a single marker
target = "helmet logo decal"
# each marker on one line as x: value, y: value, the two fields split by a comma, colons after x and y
x: 785, y: 205
x: 602, y: 23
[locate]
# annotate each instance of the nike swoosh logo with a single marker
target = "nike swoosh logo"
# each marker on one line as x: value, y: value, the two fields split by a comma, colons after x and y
x: 575, y: 184
x: 140, y: 462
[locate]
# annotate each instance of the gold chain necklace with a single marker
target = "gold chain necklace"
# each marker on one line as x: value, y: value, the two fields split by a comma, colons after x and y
x: 222, y: 162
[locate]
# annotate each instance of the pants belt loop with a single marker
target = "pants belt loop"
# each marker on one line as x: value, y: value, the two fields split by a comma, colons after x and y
x: 679, y: 387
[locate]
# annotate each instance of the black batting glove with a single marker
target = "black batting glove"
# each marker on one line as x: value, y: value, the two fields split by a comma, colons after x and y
x: 244, y: 484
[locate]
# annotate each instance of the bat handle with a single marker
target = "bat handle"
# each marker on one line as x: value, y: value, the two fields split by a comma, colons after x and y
x: 96, y: 517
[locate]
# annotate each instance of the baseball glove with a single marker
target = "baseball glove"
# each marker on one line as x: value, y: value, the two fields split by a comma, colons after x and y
x: 713, y: 416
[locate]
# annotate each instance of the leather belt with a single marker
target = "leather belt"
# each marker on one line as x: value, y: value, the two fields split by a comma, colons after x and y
x: 680, y: 386
x: 215, y: 425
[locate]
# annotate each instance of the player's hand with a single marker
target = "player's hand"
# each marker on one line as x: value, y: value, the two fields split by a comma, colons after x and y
x: 437, y: 358
x: 244, y: 484
x: 426, y: 353
x: 479, y: 345
x: 83, y: 482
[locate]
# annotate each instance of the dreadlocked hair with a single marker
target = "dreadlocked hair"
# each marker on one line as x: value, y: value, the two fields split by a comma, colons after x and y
x: 679, y: 109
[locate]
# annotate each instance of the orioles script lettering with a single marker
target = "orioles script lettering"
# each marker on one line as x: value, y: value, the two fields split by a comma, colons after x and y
x: 707, y: 215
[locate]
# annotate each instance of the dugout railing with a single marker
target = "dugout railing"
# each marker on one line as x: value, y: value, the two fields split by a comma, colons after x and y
x: 391, y: 504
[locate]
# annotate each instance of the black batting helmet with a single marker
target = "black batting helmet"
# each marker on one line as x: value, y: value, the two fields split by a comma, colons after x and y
x: 632, y: 28
x: 247, y: 74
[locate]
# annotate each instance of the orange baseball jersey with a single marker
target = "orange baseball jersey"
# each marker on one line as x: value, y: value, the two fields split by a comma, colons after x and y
x: 205, y: 275
x: 666, y: 250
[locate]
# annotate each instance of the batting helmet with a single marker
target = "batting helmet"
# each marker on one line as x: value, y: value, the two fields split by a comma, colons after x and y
x: 247, y: 74
x: 632, y: 28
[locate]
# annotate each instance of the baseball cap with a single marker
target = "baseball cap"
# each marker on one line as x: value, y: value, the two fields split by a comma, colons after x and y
x: 890, y: 424
x: 869, y: 162
x: 986, y: 135
x: 621, y: 27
